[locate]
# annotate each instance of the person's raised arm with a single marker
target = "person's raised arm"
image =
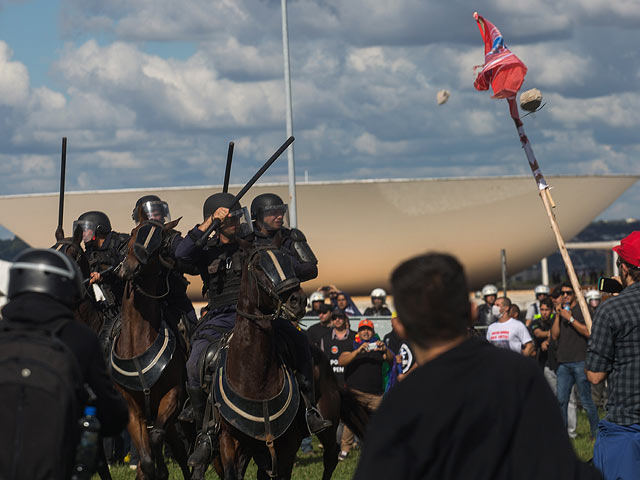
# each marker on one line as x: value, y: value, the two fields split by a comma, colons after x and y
x: 346, y: 358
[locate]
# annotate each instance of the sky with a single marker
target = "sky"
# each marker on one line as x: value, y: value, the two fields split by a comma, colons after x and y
x: 149, y: 93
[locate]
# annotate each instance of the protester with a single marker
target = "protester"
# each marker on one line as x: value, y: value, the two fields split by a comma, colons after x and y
x: 318, y: 330
x: 484, y: 315
x: 614, y: 354
x: 571, y: 333
x: 363, y: 373
x: 36, y: 441
x: 344, y: 302
x: 508, y: 332
x: 545, y: 347
x: 541, y: 292
x: 378, y: 306
x: 400, y: 347
x: 492, y: 415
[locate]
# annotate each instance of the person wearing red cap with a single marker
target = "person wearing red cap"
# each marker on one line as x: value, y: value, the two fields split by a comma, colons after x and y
x: 363, y: 372
x: 614, y: 354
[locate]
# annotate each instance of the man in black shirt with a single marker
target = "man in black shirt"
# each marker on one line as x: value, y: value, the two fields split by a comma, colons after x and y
x: 400, y: 347
x: 571, y: 333
x: 338, y: 340
x: 318, y: 330
x: 493, y: 415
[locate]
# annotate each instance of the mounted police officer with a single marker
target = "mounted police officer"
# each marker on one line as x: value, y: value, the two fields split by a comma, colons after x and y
x: 219, y: 262
x: 178, y: 305
x: 105, y: 250
x: 268, y: 213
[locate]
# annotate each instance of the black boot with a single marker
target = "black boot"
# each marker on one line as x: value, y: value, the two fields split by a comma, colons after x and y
x: 315, y: 422
x: 203, y: 449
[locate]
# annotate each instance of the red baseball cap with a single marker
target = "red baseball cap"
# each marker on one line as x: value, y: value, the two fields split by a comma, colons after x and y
x: 365, y: 322
x: 629, y: 248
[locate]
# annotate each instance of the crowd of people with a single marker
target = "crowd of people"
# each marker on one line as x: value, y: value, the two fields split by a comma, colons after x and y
x: 448, y: 402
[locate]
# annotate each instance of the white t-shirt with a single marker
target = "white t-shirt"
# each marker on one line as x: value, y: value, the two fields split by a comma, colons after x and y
x: 511, y: 334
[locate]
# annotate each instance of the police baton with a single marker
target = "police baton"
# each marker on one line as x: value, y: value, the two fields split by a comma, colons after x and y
x: 216, y: 222
x: 227, y: 171
x: 63, y: 168
x: 106, y: 270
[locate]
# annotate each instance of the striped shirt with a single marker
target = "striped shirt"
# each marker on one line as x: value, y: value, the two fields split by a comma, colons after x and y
x: 614, y: 347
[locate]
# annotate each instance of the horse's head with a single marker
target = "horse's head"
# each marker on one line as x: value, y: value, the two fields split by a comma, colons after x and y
x: 270, y: 277
x: 72, y: 248
x: 144, y: 249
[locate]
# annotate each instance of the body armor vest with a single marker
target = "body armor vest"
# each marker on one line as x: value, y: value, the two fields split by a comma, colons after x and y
x: 223, y: 275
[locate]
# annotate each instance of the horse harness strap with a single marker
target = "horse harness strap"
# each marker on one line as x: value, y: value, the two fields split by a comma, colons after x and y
x: 265, y: 419
x: 147, y: 393
x: 273, y: 473
x: 140, y: 373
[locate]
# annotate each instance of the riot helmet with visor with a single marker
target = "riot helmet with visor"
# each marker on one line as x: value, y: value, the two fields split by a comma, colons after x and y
x: 152, y: 209
x: 93, y: 223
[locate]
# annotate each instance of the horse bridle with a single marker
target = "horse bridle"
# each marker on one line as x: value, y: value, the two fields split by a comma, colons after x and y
x: 167, y: 263
x: 282, y: 309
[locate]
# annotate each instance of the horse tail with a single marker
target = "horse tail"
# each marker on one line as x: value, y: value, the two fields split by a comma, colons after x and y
x: 353, y: 412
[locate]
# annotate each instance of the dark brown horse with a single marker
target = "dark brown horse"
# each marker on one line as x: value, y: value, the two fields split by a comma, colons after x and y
x: 263, y: 416
x: 148, y: 364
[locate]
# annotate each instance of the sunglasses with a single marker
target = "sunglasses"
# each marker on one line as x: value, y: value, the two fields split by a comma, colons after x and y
x: 567, y: 292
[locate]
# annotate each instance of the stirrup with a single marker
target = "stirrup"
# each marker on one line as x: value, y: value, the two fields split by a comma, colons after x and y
x: 201, y: 443
x: 315, y: 422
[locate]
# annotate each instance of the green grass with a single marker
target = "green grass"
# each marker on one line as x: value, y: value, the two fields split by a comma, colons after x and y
x: 306, y: 467
x: 310, y: 466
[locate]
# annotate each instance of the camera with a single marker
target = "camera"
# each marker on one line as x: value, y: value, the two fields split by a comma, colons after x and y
x: 372, y: 346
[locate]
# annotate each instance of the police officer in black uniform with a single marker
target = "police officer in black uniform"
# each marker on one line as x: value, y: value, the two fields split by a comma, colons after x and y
x: 219, y: 262
x: 178, y: 305
x: 268, y: 213
x: 43, y: 284
x: 105, y: 250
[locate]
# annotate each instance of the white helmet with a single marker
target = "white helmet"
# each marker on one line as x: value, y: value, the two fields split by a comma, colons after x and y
x: 378, y: 293
x: 542, y: 289
x: 593, y: 295
x: 316, y: 297
x: 489, y: 289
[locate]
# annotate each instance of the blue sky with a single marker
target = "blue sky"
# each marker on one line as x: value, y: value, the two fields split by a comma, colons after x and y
x: 149, y: 93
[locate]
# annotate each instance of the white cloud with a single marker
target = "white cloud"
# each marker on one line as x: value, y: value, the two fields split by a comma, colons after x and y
x: 14, y: 79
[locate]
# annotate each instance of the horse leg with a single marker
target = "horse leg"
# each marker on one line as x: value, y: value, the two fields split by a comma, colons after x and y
x: 137, y: 428
x: 177, y: 447
x: 167, y: 411
x: 229, y: 456
x: 331, y: 450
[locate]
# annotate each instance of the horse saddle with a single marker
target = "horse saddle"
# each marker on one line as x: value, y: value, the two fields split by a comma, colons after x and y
x: 264, y: 419
x: 143, y: 371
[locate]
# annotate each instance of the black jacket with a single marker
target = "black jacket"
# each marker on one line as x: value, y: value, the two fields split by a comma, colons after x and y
x: 36, y: 308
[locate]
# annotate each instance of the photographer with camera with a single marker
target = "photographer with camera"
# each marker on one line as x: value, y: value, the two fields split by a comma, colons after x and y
x: 363, y: 372
x: 571, y: 334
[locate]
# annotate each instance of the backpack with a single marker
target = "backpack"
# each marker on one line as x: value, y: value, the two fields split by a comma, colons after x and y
x: 40, y: 386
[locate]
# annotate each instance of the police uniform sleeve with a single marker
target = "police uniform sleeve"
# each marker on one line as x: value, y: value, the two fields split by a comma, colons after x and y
x: 305, y: 263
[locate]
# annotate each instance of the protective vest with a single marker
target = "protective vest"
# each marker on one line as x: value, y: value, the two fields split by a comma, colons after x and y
x: 224, y: 274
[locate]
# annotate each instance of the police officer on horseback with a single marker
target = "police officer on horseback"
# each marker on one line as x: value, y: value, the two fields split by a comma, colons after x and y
x: 219, y: 263
x: 268, y: 213
x: 178, y: 305
x: 105, y: 249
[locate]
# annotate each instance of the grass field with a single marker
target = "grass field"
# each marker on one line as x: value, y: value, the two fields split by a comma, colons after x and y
x: 310, y: 466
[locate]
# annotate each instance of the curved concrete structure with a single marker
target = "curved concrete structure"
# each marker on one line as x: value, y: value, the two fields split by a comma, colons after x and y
x: 361, y: 229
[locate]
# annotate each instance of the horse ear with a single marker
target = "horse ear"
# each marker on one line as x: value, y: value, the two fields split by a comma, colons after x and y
x: 172, y: 224
x: 77, y: 234
x: 59, y: 234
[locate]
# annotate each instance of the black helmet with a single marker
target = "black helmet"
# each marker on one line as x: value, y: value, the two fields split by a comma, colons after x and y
x: 216, y: 201
x: 45, y: 271
x: 264, y: 203
x: 93, y: 223
x: 153, y: 208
